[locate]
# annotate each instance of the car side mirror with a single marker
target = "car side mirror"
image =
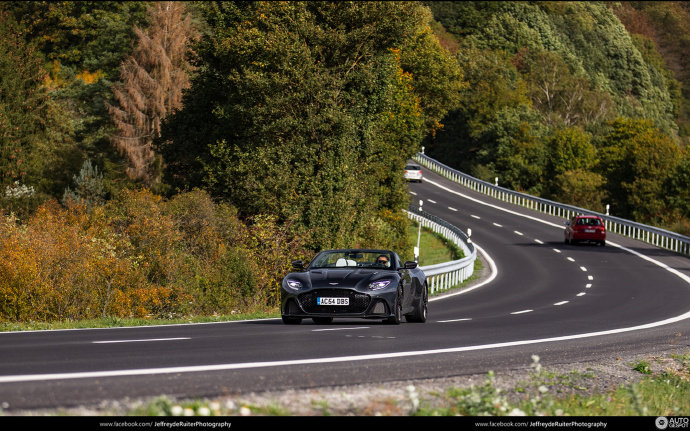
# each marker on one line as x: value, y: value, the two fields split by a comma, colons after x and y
x: 298, y: 264
x: 410, y: 264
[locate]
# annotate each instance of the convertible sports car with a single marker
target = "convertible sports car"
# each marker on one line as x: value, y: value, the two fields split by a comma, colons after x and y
x: 370, y: 284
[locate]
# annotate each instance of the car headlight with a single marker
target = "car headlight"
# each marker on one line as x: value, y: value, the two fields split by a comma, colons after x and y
x: 293, y: 284
x: 379, y: 284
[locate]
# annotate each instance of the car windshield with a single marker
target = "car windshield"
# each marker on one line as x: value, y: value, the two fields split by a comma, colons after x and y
x: 353, y: 258
x: 412, y: 168
x: 589, y: 221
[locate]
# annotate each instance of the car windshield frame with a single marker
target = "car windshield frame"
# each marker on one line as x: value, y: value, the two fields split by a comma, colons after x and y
x: 353, y: 259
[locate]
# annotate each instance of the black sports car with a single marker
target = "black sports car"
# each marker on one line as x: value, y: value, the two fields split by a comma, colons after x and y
x: 371, y: 284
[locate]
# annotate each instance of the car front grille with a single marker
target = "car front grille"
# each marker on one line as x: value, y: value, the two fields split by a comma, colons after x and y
x: 358, y: 301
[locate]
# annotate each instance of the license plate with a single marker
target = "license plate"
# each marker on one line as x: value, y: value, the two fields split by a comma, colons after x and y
x: 332, y: 301
x: 590, y: 230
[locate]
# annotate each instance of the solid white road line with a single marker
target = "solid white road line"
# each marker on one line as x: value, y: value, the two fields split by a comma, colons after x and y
x: 140, y: 340
x: 494, y: 273
x: 340, y: 329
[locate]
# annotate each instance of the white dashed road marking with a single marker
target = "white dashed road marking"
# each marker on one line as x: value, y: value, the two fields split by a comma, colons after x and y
x: 522, y: 312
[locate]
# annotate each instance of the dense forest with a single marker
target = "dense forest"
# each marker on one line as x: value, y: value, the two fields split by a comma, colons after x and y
x: 153, y: 154
x: 584, y: 103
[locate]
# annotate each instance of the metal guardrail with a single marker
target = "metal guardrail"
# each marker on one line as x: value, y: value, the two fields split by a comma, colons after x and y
x: 653, y: 235
x: 443, y: 276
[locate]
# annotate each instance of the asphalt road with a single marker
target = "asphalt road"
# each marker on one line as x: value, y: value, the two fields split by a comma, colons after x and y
x: 565, y: 303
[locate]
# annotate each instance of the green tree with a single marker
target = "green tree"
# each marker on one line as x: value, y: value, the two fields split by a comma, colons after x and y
x: 33, y: 138
x: 570, y: 176
x: 581, y: 188
x: 494, y: 86
x: 636, y: 159
x: 88, y: 187
x: 562, y: 97
x: 677, y: 187
x: 305, y: 110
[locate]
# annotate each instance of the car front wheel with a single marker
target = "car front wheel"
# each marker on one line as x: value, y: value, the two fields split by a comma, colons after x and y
x: 396, y: 318
x: 421, y: 309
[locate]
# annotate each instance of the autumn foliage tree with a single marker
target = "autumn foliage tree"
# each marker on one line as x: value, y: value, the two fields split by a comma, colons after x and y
x: 154, y: 77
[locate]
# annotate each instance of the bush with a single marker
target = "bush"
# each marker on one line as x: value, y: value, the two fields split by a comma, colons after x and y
x: 141, y: 256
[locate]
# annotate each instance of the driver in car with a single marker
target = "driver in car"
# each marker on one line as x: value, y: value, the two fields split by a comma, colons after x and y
x: 382, y: 260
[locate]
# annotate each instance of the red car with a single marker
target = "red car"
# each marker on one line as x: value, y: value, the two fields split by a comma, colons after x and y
x: 585, y: 228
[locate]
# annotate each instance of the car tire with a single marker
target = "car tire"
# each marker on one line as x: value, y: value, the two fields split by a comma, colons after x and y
x: 421, y: 309
x: 396, y: 318
x: 292, y: 320
x: 603, y: 243
x: 322, y: 320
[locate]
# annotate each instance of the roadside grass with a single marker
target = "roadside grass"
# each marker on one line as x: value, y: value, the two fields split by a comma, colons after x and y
x: 433, y: 248
x: 114, y: 322
x: 544, y: 393
x: 665, y: 393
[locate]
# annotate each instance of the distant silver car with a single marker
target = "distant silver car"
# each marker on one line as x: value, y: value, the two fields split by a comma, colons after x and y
x: 413, y: 173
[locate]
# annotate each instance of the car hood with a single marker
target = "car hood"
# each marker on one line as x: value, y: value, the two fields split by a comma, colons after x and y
x: 336, y: 277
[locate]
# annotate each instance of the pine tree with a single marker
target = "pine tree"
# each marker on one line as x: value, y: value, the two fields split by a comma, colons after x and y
x: 154, y: 77
x: 89, y: 189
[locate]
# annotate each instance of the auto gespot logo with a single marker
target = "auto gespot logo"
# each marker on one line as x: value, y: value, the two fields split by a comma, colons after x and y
x: 663, y: 423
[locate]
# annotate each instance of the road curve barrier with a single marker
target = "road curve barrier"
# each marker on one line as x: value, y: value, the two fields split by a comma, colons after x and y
x: 443, y: 276
x: 653, y: 235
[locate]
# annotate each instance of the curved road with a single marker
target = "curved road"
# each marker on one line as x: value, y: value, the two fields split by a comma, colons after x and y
x: 564, y: 303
